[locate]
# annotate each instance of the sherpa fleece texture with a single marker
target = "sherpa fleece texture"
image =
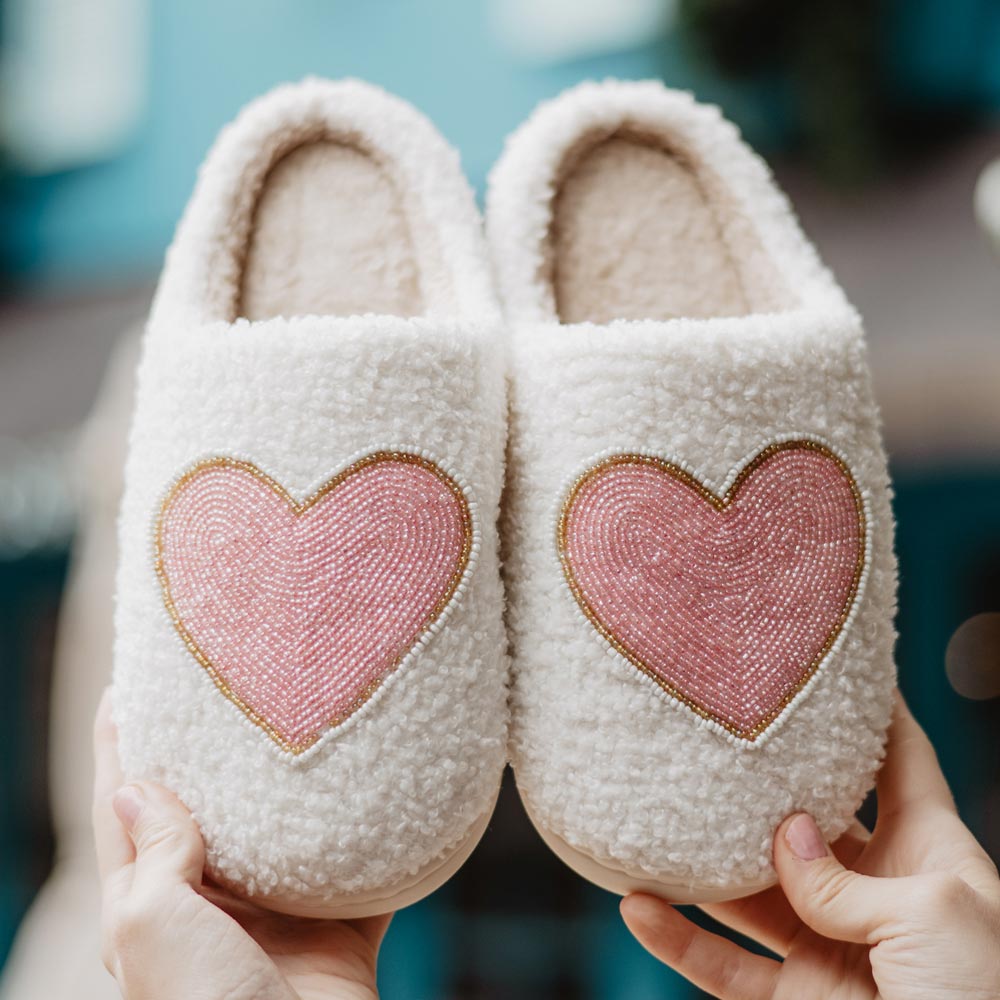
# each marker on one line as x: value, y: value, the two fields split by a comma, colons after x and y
x: 401, y: 785
x: 601, y: 759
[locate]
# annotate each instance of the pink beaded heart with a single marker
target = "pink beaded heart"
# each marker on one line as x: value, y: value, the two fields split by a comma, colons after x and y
x: 729, y: 603
x: 299, y: 610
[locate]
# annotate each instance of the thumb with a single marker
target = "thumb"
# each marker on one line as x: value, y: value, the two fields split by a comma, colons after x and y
x: 168, y: 845
x: 831, y: 899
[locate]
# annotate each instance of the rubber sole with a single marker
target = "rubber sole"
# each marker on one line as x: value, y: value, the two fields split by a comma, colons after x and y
x: 376, y: 902
x: 622, y: 882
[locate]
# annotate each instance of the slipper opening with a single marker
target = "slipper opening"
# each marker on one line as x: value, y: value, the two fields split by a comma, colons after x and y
x: 330, y: 235
x: 640, y: 229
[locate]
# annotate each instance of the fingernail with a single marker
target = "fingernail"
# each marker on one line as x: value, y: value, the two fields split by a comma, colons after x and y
x: 128, y: 803
x: 804, y: 838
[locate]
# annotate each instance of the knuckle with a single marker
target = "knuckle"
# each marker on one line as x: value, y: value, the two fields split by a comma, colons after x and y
x: 729, y: 973
x: 829, y: 887
x: 154, y: 834
x: 683, y: 944
x: 941, y: 891
x: 130, y: 923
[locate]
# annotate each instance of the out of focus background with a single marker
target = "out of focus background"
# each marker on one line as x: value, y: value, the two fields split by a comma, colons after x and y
x: 881, y: 120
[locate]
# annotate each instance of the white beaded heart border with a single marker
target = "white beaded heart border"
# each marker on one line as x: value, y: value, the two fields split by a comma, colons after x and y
x: 302, y: 500
x: 720, y: 493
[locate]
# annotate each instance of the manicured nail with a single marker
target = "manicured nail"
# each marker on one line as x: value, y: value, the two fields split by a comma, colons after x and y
x: 804, y: 838
x: 128, y: 803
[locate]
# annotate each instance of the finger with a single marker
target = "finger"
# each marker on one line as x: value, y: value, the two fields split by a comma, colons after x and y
x: 849, y: 845
x: 251, y: 917
x: 372, y: 929
x: 710, y: 962
x: 114, y: 846
x: 911, y: 776
x: 767, y: 917
x: 831, y: 899
x: 168, y: 845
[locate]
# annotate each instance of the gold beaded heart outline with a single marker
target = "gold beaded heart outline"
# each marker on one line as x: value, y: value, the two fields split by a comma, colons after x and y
x: 436, y: 616
x: 720, y: 501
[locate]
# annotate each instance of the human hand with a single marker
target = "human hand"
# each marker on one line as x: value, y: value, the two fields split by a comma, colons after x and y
x: 914, y: 915
x: 170, y: 934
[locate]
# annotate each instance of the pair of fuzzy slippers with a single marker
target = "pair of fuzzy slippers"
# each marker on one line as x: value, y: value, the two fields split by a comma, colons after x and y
x: 312, y: 650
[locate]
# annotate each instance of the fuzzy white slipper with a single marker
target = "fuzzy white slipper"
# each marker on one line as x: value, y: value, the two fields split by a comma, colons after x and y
x: 697, y: 531
x: 310, y: 649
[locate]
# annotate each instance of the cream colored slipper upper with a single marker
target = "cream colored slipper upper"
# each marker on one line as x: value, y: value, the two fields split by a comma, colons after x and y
x: 697, y: 531
x: 309, y: 642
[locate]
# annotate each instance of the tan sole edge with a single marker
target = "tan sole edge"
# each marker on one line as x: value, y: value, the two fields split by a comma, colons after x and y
x: 374, y: 903
x: 621, y: 882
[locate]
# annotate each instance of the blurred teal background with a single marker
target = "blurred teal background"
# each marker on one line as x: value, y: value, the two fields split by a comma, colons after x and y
x: 878, y: 117
x: 206, y: 61
x: 113, y: 219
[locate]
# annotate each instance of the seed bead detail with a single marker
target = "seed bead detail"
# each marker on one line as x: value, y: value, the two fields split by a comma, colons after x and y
x: 300, y: 611
x: 731, y: 602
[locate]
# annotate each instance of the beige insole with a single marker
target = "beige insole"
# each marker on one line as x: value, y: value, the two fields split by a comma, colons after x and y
x: 636, y: 236
x: 329, y: 237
